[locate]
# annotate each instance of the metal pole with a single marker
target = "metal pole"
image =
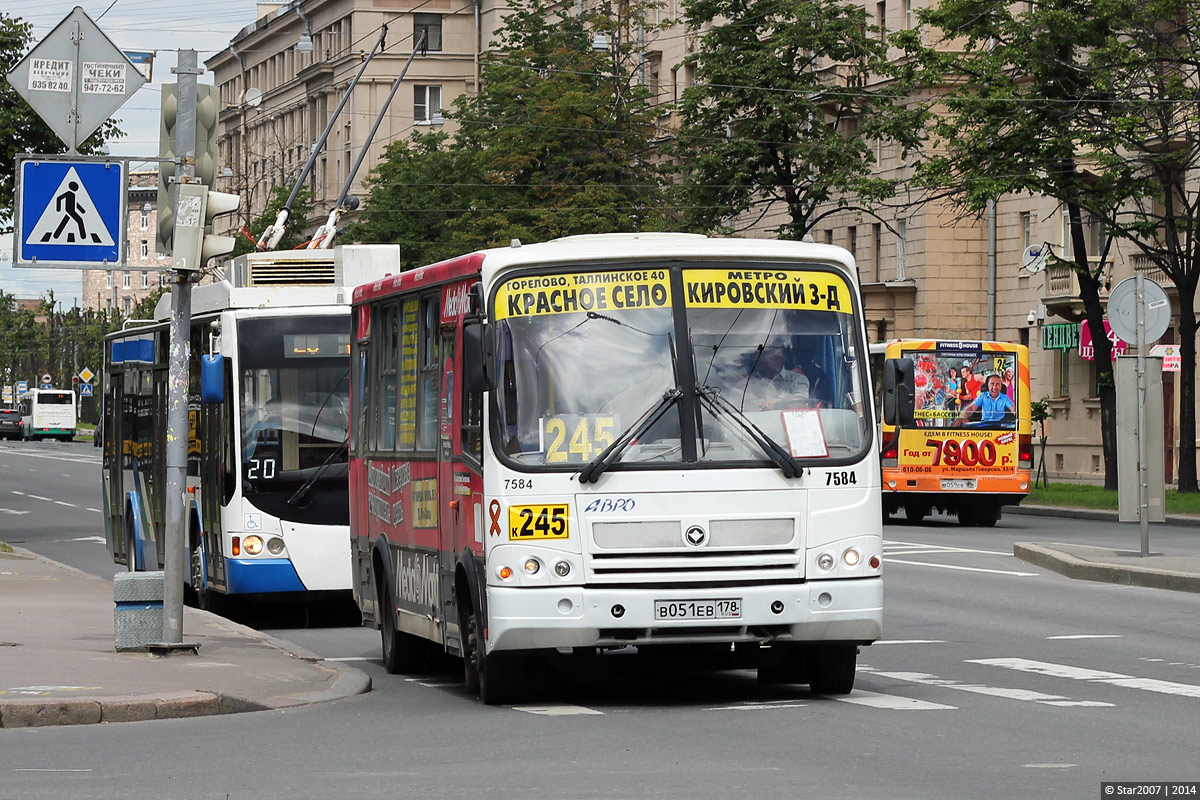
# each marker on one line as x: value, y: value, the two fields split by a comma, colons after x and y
x: 177, y: 371
x: 77, y: 40
x: 1143, y: 473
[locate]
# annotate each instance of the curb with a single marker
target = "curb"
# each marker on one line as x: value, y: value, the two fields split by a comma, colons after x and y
x: 1105, y: 572
x: 85, y: 710
x: 1186, y: 520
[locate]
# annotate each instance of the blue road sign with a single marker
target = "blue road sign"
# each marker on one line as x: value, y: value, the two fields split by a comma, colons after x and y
x: 85, y: 390
x: 70, y: 212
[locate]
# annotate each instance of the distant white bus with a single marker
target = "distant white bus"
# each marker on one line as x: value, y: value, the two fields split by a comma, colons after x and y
x: 48, y: 414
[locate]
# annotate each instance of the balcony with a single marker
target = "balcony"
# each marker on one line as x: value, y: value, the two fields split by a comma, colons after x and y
x: 1150, y: 271
x: 1060, y: 290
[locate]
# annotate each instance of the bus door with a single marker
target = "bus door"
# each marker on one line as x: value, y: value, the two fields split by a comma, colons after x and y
x: 452, y: 503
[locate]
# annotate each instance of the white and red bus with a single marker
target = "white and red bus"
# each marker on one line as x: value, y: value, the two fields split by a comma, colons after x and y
x: 578, y: 445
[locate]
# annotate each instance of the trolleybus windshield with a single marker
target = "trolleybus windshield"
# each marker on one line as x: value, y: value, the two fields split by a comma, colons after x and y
x: 294, y: 402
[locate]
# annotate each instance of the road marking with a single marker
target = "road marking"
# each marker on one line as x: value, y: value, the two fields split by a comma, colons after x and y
x: 350, y: 658
x: 1093, y: 676
x: 98, y: 511
x: 889, y: 560
x: 911, y: 641
x: 36, y: 769
x: 61, y: 503
x: 39, y: 497
x: 1049, y: 766
x: 891, y: 702
x: 1088, y: 636
x: 1025, y: 695
x: 14, y: 512
x: 762, y: 705
x: 97, y: 539
x: 433, y: 684
x: 559, y: 710
x: 943, y: 548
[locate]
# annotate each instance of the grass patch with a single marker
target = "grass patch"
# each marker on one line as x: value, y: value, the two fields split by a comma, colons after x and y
x: 5, y: 547
x: 1078, y: 495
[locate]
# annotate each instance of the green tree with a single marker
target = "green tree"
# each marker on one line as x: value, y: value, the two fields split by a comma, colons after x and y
x: 561, y: 140
x: 297, y: 218
x: 21, y: 129
x: 782, y: 113
x: 1092, y: 104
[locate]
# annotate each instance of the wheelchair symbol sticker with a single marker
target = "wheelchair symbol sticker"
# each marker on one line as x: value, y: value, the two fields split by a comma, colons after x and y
x: 252, y: 522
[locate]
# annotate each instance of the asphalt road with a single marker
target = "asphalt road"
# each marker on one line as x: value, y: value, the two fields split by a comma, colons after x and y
x: 995, y: 680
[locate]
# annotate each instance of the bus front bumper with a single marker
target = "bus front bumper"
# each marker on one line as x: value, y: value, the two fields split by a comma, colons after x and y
x: 532, y: 618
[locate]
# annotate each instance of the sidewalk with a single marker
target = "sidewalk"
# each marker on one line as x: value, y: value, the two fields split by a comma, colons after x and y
x: 58, y: 664
x: 1082, y: 562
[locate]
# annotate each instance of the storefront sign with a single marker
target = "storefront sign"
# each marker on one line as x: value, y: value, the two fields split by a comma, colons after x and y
x: 1087, y: 350
x: 1169, y: 353
x: 1060, y: 336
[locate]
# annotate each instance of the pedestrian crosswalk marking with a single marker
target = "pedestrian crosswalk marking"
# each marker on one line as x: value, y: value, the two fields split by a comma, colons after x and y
x: 70, y: 217
x: 861, y: 697
x: 1092, y: 675
x: 1026, y: 695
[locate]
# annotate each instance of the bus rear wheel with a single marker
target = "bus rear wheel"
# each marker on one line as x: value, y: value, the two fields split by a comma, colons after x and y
x: 831, y: 668
x: 403, y: 653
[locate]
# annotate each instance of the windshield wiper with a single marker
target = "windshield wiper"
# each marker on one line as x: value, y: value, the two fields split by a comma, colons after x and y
x: 300, y: 496
x: 720, y: 407
x: 591, y: 473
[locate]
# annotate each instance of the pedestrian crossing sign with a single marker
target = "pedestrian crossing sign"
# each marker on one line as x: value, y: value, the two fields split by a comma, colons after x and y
x: 70, y: 213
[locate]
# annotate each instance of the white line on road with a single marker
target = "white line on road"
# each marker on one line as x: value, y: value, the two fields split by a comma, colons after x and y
x: 943, y: 548
x: 891, y: 702
x: 1088, y: 636
x: 911, y: 641
x: 1026, y: 695
x: 763, y: 705
x: 558, y: 710
x: 39, y: 497
x: 963, y: 569
x: 1092, y: 675
x: 349, y: 658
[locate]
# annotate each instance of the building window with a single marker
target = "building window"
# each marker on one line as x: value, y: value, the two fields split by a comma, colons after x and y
x: 876, y: 251
x: 145, y: 251
x: 163, y: 280
x: 127, y: 306
x: 431, y: 26
x: 1062, y: 385
x: 881, y: 20
x: 125, y: 281
x: 427, y: 105
x: 853, y: 243
x: 145, y: 280
x: 910, y: 21
x: 145, y: 219
x: 901, y: 249
x: 108, y: 281
x: 1093, y: 235
x: 829, y: 236
x: 653, y: 73
x: 1026, y: 229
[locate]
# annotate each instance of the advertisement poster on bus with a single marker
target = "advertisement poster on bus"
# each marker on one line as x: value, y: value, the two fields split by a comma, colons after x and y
x: 965, y: 401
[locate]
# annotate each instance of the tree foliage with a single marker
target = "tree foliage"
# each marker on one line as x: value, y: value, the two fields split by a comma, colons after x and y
x: 560, y: 140
x: 781, y: 113
x: 300, y: 212
x: 1093, y: 104
x: 21, y: 129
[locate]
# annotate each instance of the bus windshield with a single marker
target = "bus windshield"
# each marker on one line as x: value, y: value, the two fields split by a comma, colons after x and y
x: 580, y: 372
x: 294, y: 402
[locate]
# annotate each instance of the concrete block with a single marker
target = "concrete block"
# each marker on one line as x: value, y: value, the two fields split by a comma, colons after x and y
x: 138, y: 609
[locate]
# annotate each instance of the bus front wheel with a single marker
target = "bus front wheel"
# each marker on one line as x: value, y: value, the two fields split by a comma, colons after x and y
x: 497, y: 679
x: 831, y: 668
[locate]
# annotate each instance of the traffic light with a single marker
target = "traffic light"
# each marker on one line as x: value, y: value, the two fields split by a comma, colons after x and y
x: 194, y: 243
x: 206, y: 154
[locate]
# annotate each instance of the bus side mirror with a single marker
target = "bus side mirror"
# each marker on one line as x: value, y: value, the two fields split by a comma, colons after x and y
x: 479, y: 358
x: 212, y: 379
x: 899, y: 392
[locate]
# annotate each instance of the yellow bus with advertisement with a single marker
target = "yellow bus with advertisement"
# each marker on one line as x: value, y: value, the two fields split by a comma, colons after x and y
x: 962, y: 440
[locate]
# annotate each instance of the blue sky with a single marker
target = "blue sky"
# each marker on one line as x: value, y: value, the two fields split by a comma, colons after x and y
x: 163, y: 26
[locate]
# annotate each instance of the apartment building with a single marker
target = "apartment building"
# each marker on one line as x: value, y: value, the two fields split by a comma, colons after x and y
x: 926, y: 271
x: 145, y: 270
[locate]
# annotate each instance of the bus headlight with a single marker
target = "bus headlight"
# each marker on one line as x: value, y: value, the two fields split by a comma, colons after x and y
x: 825, y: 561
x: 253, y: 545
x: 562, y: 569
x: 532, y: 566
x: 274, y: 545
x: 851, y: 557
